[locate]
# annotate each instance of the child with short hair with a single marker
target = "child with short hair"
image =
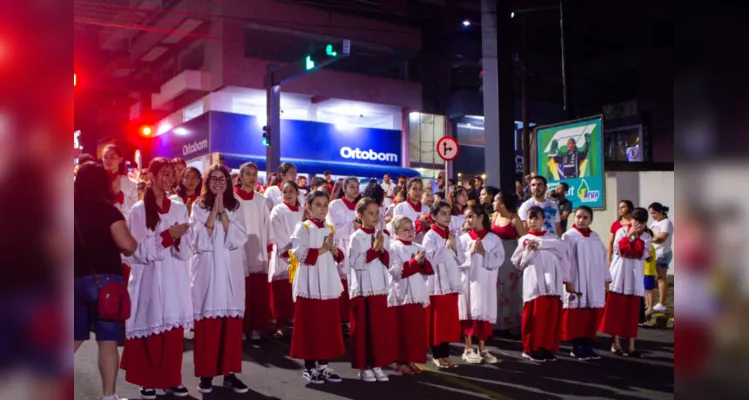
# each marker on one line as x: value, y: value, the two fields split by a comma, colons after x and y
x: 543, y: 258
x: 409, y: 295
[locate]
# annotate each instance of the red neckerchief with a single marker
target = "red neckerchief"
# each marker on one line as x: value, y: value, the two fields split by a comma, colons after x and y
x: 585, y: 232
x: 440, y: 231
x: 480, y: 234
x: 292, y: 208
x: 113, y: 175
x: 317, y: 223
x: 187, y: 198
x: 416, y: 207
x: 460, y: 210
x: 166, y: 204
x: 349, y: 204
x: 406, y: 242
x: 244, y: 195
x: 536, y: 233
x: 370, y: 231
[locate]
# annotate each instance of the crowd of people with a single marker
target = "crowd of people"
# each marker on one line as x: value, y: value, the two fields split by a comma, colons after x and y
x: 404, y: 268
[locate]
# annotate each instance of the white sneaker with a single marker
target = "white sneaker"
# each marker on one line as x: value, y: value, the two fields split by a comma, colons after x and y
x: 255, y: 336
x: 659, y: 308
x: 471, y: 357
x: 488, y: 357
x: 367, y: 375
x: 380, y: 375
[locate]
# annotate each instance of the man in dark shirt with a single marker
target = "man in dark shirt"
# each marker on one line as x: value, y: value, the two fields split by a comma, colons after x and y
x: 569, y: 162
x: 564, y: 206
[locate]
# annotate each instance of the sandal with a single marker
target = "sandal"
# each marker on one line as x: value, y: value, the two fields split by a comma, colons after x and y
x: 404, y: 369
x: 449, y: 363
x: 619, y: 352
x: 414, y: 368
x: 279, y: 335
x: 440, y: 363
x: 635, y: 354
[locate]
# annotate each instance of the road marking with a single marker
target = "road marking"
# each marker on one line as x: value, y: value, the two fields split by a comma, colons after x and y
x: 454, y: 379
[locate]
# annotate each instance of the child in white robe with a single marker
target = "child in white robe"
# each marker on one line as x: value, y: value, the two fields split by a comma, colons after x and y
x: 590, y: 276
x: 544, y: 260
x: 444, y: 253
x: 412, y: 208
x: 283, y: 220
x: 409, y: 295
x: 253, y: 208
x: 316, y: 337
x: 159, y: 287
x: 483, y: 253
x: 217, y: 229
x: 622, y: 313
x: 342, y: 215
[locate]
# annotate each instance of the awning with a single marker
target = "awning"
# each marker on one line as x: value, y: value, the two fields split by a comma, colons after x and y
x: 234, y: 161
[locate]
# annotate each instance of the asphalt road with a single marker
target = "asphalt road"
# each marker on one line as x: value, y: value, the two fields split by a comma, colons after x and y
x: 271, y: 374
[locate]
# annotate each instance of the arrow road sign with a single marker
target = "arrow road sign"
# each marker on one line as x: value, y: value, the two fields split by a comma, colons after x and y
x: 447, y: 148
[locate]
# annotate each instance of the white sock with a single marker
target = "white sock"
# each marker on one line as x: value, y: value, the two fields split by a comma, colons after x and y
x: 112, y: 397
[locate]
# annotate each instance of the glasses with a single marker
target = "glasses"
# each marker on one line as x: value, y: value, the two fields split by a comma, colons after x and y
x: 220, y: 180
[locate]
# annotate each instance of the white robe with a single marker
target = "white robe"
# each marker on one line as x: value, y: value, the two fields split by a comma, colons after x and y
x: 319, y: 281
x: 478, y: 298
x: 217, y: 285
x: 628, y: 274
x: 256, y: 217
x: 159, y: 283
x: 410, y: 290
x: 282, y: 224
x: 545, y: 269
x: 589, y: 270
x: 456, y: 224
x: 342, y: 220
x: 275, y: 197
x: 445, y: 262
x: 130, y: 192
x: 366, y: 278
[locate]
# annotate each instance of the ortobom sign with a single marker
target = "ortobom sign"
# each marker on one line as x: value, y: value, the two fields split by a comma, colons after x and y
x: 572, y: 152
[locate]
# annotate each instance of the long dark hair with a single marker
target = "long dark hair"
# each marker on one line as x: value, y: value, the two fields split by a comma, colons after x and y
x: 181, y: 189
x: 640, y: 215
x: 207, y: 197
x: 375, y: 192
x: 311, y: 199
x: 630, y: 207
x: 454, y: 193
x: 92, y: 184
x: 659, y: 208
x: 149, y: 198
x: 284, y: 169
x: 509, y: 200
x: 479, y: 210
x: 338, y: 190
x: 117, y: 150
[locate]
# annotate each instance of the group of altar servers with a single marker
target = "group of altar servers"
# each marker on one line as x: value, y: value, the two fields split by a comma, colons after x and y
x: 229, y: 261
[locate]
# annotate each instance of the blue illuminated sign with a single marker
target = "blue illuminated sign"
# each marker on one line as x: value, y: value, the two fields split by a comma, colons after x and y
x: 187, y: 141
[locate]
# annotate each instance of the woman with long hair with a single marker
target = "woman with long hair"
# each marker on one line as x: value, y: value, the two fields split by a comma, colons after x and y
x: 507, y: 225
x: 189, y: 187
x: 101, y: 235
x: 458, y: 203
x: 376, y: 192
x: 218, y: 290
x: 124, y: 189
x: 159, y: 288
x: 625, y: 209
x: 286, y: 172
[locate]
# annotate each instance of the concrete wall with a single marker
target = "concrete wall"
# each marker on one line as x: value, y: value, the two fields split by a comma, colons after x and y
x: 642, y: 188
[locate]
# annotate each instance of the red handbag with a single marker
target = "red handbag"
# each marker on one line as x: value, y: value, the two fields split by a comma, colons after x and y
x: 114, y: 299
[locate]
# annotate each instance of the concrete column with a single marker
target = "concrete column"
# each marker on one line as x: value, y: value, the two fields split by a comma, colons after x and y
x: 499, y: 122
x: 405, y: 138
x: 312, y: 112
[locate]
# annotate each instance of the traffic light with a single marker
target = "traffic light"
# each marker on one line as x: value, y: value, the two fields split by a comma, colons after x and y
x: 331, y: 52
x: 266, y: 136
x: 146, y: 130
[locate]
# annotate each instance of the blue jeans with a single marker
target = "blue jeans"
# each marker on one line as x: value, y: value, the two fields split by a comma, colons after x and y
x: 86, y: 309
x: 663, y: 260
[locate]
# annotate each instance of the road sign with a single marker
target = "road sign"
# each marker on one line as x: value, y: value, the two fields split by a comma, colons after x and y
x: 447, y: 148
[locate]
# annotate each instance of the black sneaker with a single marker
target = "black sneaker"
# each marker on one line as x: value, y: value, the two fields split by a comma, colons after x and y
x: 313, y: 376
x: 205, y: 385
x: 534, y: 356
x: 579, y: 353
x: 592, y: 355
x: 231, y: 381
x: 329, y: 375
x: 179, y: 391
x: 548, y: 355
x: 147, y: 393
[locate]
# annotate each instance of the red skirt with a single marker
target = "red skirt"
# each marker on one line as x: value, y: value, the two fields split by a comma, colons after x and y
x: 480, y: 329
x: 154, y: 361
x: 443, y: 321
x: 218, y: 347
x: 282, y: 304
x: 373, y: 332
x: 344, y: 308
x: 621, y: 316
x: 542, y: 319
x: 411, y: 324
x: 257, y: 313
x: 317, y: 330
x: 580, y: 323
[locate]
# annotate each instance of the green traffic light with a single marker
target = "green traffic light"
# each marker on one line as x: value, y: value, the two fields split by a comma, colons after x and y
x: 329, y: 51
x: 308, y: 63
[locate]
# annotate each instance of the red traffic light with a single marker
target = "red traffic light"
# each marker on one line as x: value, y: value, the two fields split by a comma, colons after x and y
x: 146, y: 130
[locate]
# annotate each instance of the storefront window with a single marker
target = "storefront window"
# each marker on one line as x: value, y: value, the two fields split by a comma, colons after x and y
x: 425, y: 130
x: 625, y: 144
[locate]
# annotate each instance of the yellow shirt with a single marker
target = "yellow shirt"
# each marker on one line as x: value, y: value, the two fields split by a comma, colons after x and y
x: 650, y: 265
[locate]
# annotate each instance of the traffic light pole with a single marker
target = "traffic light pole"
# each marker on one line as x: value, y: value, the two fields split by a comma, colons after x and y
x: 275, y: 77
